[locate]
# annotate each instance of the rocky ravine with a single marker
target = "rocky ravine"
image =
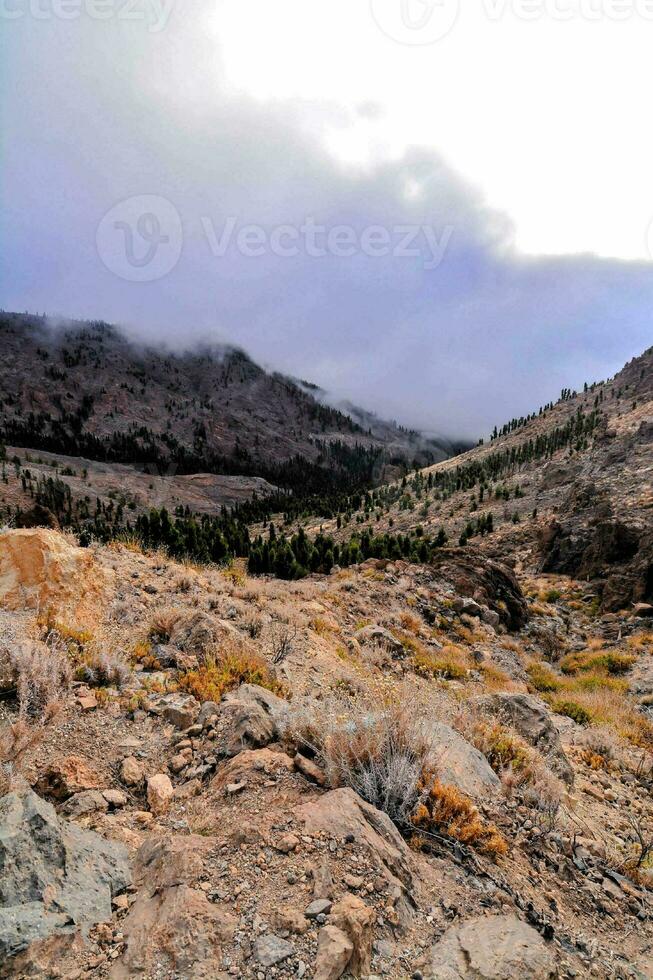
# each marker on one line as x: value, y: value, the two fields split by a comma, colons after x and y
x: 180, y: 804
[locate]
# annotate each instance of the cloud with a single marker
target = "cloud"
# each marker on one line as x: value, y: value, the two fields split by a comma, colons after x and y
x: 458, y: 334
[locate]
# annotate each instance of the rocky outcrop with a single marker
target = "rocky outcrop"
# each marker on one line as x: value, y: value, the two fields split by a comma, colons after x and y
x: 530, y: 717
x: 172, y: 926
x: 67, y: 776
x: 249, y: 718
x: 458, y: 763
x: 617, y: 556
x: 500, y: 947
x: 56, y: 877
x: 342, y: 813
x: 41, y: 568
x: 200, y: 633
x: 487, y: 582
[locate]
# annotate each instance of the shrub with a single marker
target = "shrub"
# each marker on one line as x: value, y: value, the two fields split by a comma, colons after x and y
x: 102, y: 670
x: 162, y: 623
x: 55, y: 632
x: 378, y: 751
x: 542, y: 678
x: 502, y: 748
x: 449, y: 663
x: 41, y: 674
x: 445, y: 810
x: 610, y: 662
x: 215, y: 677
x: 572, y: 709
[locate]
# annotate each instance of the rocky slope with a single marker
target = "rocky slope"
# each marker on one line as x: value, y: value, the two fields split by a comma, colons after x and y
x: 568, y: 490
x: 197, y: 742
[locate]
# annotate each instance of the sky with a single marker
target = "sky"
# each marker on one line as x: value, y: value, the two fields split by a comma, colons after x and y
x: 443, y: 213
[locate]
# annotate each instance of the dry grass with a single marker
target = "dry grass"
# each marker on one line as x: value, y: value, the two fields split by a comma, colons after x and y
x: 445, y: 810
x: 450, y: 663
x: 607, y: 661
x: 42, y: 675
x: 217, y: 676
x: 380, y: 751
x: 162, y: 623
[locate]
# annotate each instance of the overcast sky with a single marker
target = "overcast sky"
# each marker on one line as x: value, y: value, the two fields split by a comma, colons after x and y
x: 441, y: 213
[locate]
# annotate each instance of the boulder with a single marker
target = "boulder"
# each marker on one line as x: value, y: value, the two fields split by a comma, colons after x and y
x: 41, y: 568
x: 56, y: 876
x: 67, y: 776
x: 160, y: 792
x: 499, y: 947
x: 180, y: 710
x: 82, y: 804
x: 341, y: 813
x: 458, y: 763
x: 172, y: 927
x: 474, y: 576
x: 334, y: 951
x: 250, y: 718
x: 132, y: 771
x: 356, y: 920
x: 200, y: 633
x: 530, y: 717
x: 370, y: 635
x: 271, y: 949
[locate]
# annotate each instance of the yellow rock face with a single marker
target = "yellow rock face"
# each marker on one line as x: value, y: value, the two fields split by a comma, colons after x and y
x: 40, y: 568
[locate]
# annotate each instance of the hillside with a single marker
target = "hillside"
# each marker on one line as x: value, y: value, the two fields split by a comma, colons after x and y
x: 569, y: 489
x: 231, y: 748
x: 86, y: 390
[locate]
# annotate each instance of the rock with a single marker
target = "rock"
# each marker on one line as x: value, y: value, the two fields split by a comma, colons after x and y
x: 234, y: 788
x: 90, y: 801
x: 342, y: 813
x: 132, y: 771
x: 66, y: 776
x: 179, y: 710
x: 643, y: 609
x: 87, y: 702
x: 41, y: 569
x: 207, y: 711
x: 247, y: 764
x: 287, y: 843
x: 252, y: 715
x: 56, y: 876
x: 356, y: 920
x: 160, y: 792
x: 271, y: 949
x: 460, y: 764
x: 320, y: 906
x: 369, y: 635
x: 200, y: 633
x: 322, y: 880
x: 466, y: 607
x: 287, y: 919
x: 309, y: 769
x: 487, y: 582
x: 115, y: 798
x: 334, y: 950
x: 499, y: 947
x: 531, y: 718
x: 172, y: 928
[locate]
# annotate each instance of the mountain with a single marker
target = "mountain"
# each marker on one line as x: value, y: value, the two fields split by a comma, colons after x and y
x: 86, y: 385
x: 568, y: 489
x: 91, y: 401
